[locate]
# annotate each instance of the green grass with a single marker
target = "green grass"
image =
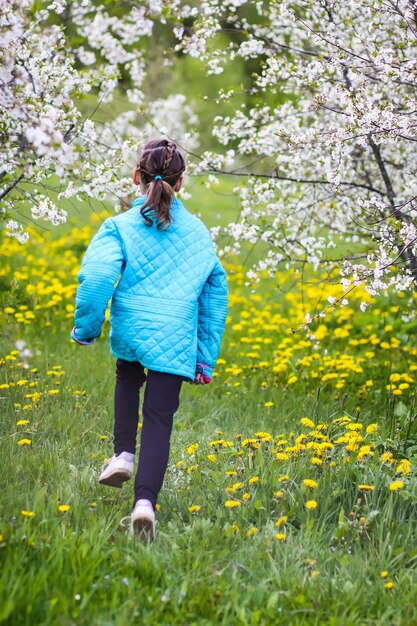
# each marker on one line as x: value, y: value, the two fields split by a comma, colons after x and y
x: 81, y: 567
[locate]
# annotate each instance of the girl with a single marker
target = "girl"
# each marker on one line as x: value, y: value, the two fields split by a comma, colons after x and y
x: 169, y: 303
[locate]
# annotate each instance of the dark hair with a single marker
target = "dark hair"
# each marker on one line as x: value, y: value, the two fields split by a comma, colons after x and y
x: 160, y: 165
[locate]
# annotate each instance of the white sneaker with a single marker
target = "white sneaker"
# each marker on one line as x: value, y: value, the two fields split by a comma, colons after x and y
x: 143, y: 520
x: 117, y: 470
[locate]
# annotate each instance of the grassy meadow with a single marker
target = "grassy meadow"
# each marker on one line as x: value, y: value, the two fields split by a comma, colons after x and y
x: 291, y: 493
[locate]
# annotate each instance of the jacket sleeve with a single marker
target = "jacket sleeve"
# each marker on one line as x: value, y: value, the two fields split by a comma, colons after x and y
x: 212, y: 312
x: 99, y: 273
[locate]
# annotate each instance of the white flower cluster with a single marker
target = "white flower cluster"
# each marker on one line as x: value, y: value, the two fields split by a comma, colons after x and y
x: 331, y: 132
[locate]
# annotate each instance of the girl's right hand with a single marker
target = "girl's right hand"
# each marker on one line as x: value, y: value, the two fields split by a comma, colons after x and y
x: 200, y: 379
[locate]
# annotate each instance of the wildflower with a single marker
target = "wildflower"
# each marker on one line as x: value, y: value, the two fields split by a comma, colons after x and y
x: 396, y: 485
x: 312, y: 484
x: 281, y: 520
x: 212, y: 458
x: 252, y: 531
x: 22, y: 422
x: 371, y: 429
x: 384, y: 574
x: 283, y: 478
x: 268, y: 404
x: 282, y: 456
x: 63, y: 508
x: 193, y: 448
x: 316, y: 461
x: 305, y: 421
x: 180, y: 464
x: 311, y: 504
x: 194, y: 508
x: 1, y: 538
x: 279, y: 494
x: 24, y: 442
x: 231, y: 473
x: 253, y: 480
x: 404, y: 467
x: 192, y: 469
x: 280, y: 536
x: 27, y: 513
x: 230, y: 504
x: 389, y: 585
x: 366, y: 487
x: 246, y: 497
x: 292, y: 379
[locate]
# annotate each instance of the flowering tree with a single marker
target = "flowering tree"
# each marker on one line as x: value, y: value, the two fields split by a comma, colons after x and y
x: 50, y: 59
x: 324, y: 147
x: 328, y: 152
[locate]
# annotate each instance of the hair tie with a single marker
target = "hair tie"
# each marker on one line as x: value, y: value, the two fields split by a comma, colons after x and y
x: 158, y: 177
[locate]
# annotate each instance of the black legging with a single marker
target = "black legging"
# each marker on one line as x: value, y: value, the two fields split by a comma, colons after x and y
x: 159, y: 405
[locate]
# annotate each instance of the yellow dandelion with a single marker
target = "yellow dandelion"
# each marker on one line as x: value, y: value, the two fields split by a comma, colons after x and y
x: 193, y: 448
x: 389, y: 585
x: 311, y: 504
x: 253, y: 480
x: 283, y: 478
x: 252, y: 531
x: 366, y: 487
x: 64, y: 508
x: 384, y: 574
x: 194, y: 508
x: 281, y: 520
x: 308, y: 423
x: 246, y: 497
x: 268, y: 404
x: 403, y: 467
x: 280, y: 536
x: 316, y: 461
x: 27, y: 513
x: 308, y: 482
x: 279, y: 494
x: 212, y: 458
x: 396, y: 485
x: 24, y: 442
x: 230, y: 504
x: 22, y: 422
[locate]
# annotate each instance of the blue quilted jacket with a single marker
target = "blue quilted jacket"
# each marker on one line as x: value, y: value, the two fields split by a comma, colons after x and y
x: 168, y: 290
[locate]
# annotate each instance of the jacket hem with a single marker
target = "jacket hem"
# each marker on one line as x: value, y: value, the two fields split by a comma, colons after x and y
x: 164, y: 370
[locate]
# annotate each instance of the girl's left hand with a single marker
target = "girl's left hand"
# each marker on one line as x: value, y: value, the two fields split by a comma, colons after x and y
x: 200, y: 379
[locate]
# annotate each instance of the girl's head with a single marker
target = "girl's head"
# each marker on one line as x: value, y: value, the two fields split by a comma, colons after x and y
x: 159, y: 173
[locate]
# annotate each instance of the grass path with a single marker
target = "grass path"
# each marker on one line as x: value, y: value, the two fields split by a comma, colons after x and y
x: 291, y: 492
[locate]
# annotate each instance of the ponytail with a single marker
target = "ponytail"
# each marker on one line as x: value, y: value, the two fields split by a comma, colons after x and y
x: 161, y: 166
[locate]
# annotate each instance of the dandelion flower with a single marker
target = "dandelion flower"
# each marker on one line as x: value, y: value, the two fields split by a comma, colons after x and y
x: 308, y: 423
x: 268, y: 404
x: 280, y: 536
x: 252, y: 531
x: 254, y: 479
x: 27, y: 513
x: 279, y: 494
x: 22, y: 422
x: 230, y: 504
x: 403, y: 467
x: 192, y: 449
x: 24, y: 442
x: 194, y: 508
x: 281, y: 520
x: 366, y: 487
x: 311, y: 504
x: 312, y: 484
x: 246, y: 497
x: 384, y: 574
x: 396, y: 485
x: 389, y: 585
x: 63, y: 508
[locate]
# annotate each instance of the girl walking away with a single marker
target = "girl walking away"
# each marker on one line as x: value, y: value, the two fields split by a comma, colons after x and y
x: 169, y: 302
